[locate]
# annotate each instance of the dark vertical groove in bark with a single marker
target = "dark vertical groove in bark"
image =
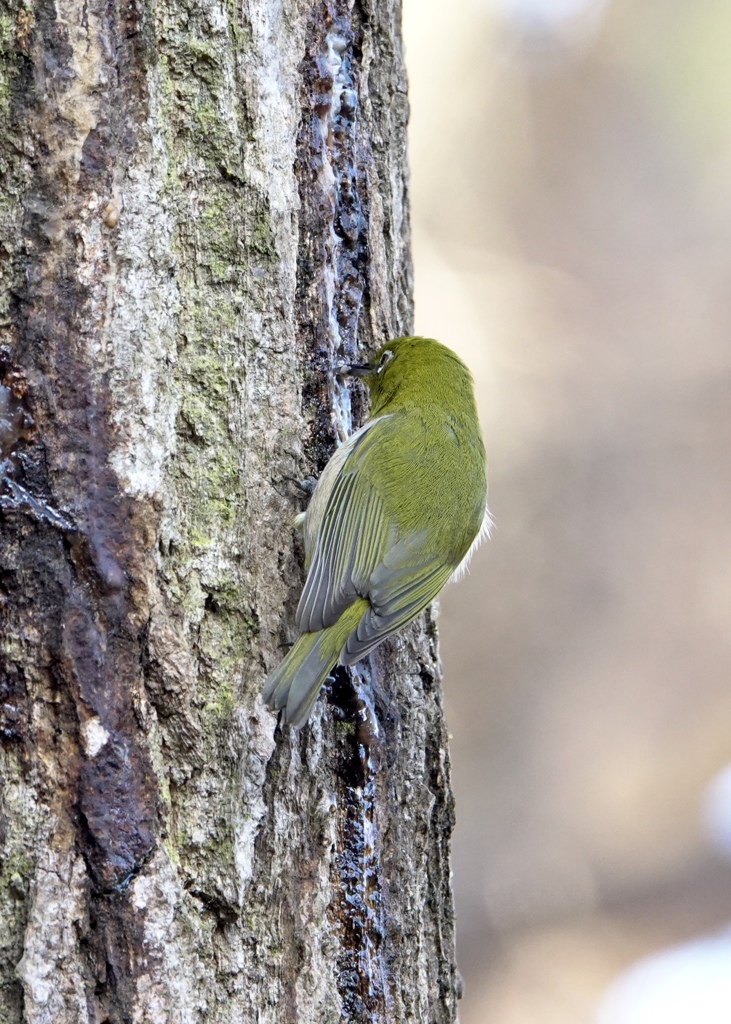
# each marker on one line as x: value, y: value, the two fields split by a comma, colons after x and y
x: 357, y: 908
x: 334, y: 239
x: 333, y: 160
x: 334, y: 218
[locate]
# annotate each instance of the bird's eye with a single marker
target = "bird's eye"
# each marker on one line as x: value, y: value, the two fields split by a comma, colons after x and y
x: 384, y: 360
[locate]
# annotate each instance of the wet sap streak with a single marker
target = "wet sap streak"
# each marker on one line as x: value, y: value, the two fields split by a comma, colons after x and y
x: 332, y: 294
x: 357, y: 910
x: 333, y: 257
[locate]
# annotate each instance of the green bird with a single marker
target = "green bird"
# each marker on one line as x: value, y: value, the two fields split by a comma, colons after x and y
x: 399, y: 509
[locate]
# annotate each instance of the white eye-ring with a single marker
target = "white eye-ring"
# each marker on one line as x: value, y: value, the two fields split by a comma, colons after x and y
x: 384, y: 360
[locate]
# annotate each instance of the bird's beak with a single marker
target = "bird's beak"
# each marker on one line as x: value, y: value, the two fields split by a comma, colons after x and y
x: 354, y: 369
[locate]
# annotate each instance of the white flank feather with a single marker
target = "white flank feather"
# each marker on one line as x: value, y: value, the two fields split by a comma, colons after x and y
x: 483, y: 534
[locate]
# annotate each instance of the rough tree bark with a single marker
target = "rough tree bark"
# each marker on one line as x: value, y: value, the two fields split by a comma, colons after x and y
x: 203, y: 207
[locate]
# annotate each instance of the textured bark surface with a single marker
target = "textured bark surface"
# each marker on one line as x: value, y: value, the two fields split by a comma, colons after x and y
x: 202, y: 208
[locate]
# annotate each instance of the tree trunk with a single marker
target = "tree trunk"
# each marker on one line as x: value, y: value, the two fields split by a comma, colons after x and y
x: 203, y: 209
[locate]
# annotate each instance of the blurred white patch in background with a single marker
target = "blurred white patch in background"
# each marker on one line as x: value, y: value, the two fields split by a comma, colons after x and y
x: 549, y: 27
x: 687, y: 985
x: 546, y: 12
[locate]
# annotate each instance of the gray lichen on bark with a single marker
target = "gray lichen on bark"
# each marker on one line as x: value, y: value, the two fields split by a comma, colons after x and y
x: 203, y: 207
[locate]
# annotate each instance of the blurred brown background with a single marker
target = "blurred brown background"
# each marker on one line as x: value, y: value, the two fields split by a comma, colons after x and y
x: 571, y: 183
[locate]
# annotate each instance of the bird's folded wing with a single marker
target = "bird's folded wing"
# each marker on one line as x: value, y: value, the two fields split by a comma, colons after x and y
x: 353, y: 537
x: 406, y: 581
x: 360, y: 553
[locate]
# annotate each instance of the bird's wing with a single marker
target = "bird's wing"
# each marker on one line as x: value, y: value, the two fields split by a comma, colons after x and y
x: 360, y: 552
x: 351, y: 540
x: 402, y: 585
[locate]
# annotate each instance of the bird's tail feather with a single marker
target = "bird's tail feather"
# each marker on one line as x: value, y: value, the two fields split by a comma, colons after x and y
x: 294, y: 685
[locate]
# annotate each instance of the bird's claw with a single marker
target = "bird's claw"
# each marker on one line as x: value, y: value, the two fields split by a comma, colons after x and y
x: 307, y: 486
